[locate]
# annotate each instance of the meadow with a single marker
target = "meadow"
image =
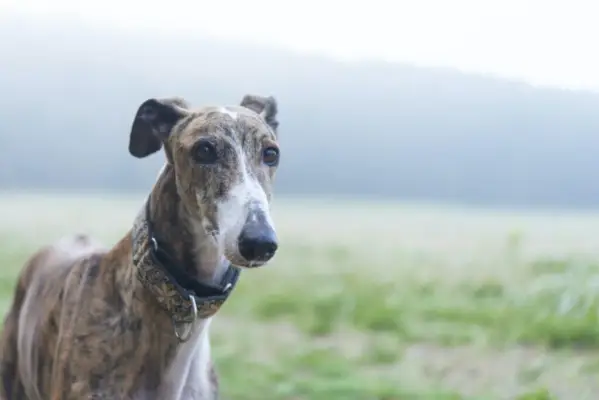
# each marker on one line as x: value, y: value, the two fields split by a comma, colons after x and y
x: 370, y: 300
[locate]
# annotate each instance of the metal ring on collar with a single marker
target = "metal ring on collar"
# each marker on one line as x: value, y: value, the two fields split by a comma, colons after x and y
x: 191, y: 326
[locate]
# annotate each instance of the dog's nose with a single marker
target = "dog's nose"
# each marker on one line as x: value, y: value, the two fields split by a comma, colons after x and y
x: 258, y: 244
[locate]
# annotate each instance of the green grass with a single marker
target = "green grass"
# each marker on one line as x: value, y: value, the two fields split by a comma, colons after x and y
x: 383, y: 301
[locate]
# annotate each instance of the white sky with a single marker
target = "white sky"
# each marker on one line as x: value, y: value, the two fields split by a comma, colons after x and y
x: 547, y: 42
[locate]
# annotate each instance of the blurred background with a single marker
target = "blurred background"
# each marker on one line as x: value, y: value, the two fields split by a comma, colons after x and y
x: 436, y: 196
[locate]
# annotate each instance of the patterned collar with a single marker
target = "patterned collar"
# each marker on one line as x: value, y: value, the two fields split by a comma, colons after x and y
x: 156, y: 270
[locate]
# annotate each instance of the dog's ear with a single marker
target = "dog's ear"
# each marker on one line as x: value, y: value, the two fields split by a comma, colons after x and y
x: 153, y: 123
x: 266, y: 107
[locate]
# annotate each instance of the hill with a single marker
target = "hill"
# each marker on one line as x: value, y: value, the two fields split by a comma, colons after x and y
x: 361, y: 128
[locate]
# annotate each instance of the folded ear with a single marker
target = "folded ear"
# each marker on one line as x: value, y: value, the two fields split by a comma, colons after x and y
x: 266, y: 107
x: 153, y: 123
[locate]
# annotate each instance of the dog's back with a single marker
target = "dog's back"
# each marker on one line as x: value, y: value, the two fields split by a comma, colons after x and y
x: 33, y: 322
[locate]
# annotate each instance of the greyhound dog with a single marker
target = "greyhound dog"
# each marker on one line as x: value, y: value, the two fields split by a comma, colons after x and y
x: 131, y: 322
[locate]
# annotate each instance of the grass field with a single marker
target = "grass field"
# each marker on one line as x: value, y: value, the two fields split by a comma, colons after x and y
x: 381, y: 301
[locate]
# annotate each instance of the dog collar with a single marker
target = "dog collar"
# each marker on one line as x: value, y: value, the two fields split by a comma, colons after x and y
x: 156, y: 271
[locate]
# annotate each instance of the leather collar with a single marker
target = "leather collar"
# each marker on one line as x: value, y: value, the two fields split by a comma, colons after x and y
x: 182, y: 297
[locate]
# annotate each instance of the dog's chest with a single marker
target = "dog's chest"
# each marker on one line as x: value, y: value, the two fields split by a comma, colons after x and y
x: 188, y: 376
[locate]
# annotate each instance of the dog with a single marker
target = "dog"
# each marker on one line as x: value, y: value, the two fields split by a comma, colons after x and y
x: 131, y: 322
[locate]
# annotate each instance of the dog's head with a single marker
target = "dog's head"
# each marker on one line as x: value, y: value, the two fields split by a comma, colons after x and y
x: 224, y: 159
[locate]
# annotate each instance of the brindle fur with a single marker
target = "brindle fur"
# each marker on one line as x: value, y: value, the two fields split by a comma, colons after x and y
x: 81, y: 325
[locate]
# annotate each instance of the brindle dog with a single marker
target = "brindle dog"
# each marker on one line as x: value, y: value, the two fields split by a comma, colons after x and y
x: 131, y: 322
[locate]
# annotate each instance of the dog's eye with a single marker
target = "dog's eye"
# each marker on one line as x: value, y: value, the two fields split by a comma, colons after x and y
x: 270, y: 156
x: 204, y: 153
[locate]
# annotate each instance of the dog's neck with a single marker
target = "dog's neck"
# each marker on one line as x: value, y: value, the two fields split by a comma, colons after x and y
x: 163, y: 237
x: 181, y: 233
